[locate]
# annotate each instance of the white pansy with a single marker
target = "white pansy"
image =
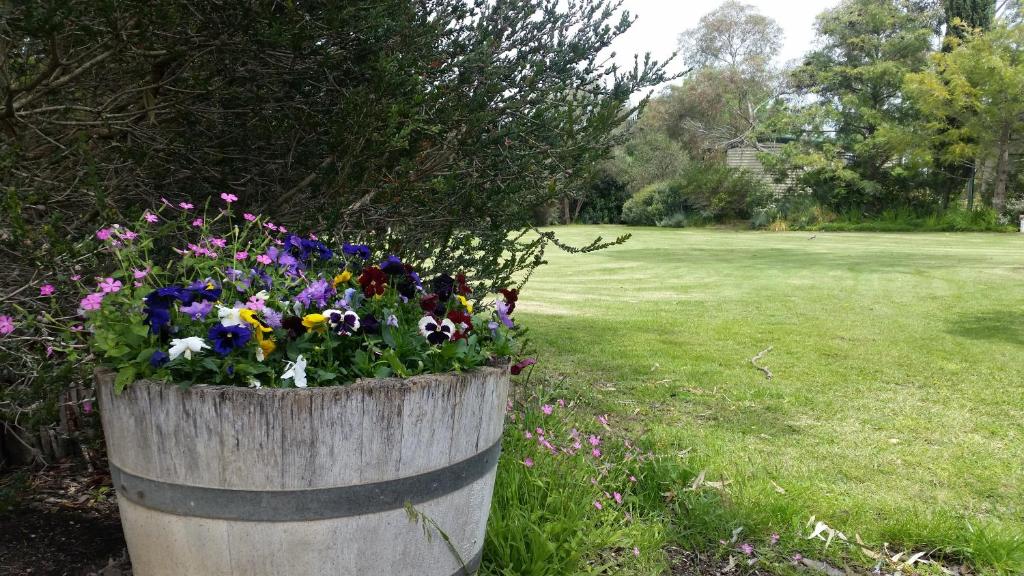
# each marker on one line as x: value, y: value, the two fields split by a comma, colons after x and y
x: 329, y: 314
x: 186, y: 346
x: 296, y: 371
x: 230, y: 316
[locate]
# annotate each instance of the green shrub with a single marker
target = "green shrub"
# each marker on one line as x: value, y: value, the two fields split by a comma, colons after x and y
x: 704, y: 192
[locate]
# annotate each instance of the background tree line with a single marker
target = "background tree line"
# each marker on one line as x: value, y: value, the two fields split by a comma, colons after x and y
x: 906, y: 114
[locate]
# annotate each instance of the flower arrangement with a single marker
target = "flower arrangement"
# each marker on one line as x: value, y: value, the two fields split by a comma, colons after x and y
x: 245, y: 302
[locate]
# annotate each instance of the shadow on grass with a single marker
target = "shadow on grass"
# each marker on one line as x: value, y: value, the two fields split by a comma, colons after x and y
x: 996, y: 325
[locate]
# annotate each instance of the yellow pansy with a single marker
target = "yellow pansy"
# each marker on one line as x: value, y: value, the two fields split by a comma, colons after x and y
x: 267, y: 346
x: 313, y: 321
x: 342, y: 278
x: 466, y: 303
x: 250, y: 317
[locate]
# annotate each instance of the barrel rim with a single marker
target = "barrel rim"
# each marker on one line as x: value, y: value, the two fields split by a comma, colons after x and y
x: 105, y: 375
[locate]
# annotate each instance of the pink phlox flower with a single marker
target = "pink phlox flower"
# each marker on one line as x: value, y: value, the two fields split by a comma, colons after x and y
x: 197, y: 223
x: 104, y: 233
x: 92, y: 301
x: 547, y: 409
x: 109, y: 285
x: 264, y: 259
x: 598, y: 505
x: 632, y: 479
x: 6, y: 325
x: 576, y: 445
x: 185, y: 205
x: 596, y: 452
x: 270, y: 226
x: 746, y: 548
x: 603, y: 420
x: 540, y: 431
x: 140, y: 274
x: 151, y: 218
x: 282, y: 229
x: 595, y: 440
x: 249, y: 217
x: 775, y: 538
x: 219, y: 242
x: 129, y: 235
x: 241, y: 255
x: 617, y: 497
x: 229, y: 198
x: 76, y: 277
x: 528, y: 435
x: 528, y: 462
x: 636, y: 551
x: 47, y: 290
x: 561, y: 403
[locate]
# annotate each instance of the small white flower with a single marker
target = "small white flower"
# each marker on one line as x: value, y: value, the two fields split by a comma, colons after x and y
x: 296, y: 371
x: 259, y: 354
x: 230, y: 316
x: 436, y: 332
x: 186, y: 346
x: 261, y: 295
x: 254, y: 383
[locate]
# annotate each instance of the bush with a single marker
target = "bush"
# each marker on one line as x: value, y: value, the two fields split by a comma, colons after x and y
x: 704, y: 192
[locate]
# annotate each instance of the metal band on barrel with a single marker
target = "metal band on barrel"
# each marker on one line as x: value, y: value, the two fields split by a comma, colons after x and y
x: 302, y: 505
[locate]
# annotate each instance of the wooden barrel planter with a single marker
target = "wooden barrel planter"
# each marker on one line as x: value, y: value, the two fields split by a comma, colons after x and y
x: 215, y: 480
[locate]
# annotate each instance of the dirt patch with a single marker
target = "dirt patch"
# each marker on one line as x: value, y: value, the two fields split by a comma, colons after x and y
x: 40, y: 541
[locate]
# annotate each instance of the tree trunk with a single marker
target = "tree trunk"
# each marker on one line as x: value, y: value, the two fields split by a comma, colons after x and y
x: 1002, y: 169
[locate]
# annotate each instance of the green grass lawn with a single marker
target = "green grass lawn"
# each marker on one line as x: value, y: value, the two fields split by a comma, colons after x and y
x: 896, y: 411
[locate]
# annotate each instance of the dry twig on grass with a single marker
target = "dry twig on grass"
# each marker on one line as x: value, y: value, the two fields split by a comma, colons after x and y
x: 767, y: 373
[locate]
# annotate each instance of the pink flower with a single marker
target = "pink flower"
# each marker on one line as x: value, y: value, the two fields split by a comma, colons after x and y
x: 547, y: 409
x: 618, y: 497
x: 92, y: 301
x: 76, y: 277
x: 539, y: 431
x: 282, y: 229
x: 576, y: 445
x: 104, y: 233
x: 598, y: 505
x: 87, y: 406
x: 264, y: 259
x: 636, y: 551
x: 603, y: 420
x: 528, y: 462
x: 109, y: 285
x: 47, y: 290
x: 561, y: 403
x: 77, y: 328
x: 596, y: 452
x: 746, y: 549
x: 140, y: 274
x: 775, y: 538
x: 197, y: 223
x: 229, y: 198
x: 797, y: 558
x: 632, y: 479
x: 6, y: 325
x: 270, y: 226
x: 49, y: 351
x: 150, y: 217
x: 527, y: 435
x: 219, y: 242
x: 595, y: 440
x: 242, y: 255
x: 249, y: 217
x: 185, y: 205
x: 256, y: 304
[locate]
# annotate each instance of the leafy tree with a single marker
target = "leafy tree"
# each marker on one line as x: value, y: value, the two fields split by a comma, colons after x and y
x: 733, y: 36
x: 972, y: 95
x: 435, y: 126
x: 858, y: 149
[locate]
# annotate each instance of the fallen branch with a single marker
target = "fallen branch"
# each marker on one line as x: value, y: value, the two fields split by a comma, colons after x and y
x: 767, y: 373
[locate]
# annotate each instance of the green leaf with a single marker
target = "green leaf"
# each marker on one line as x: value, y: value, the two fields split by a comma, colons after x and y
x: 125, y: 376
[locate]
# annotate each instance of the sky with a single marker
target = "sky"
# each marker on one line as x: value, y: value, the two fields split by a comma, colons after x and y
x: 659, y: 23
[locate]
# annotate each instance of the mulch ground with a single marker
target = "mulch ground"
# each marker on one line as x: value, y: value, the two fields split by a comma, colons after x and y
x: 62, y: 522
